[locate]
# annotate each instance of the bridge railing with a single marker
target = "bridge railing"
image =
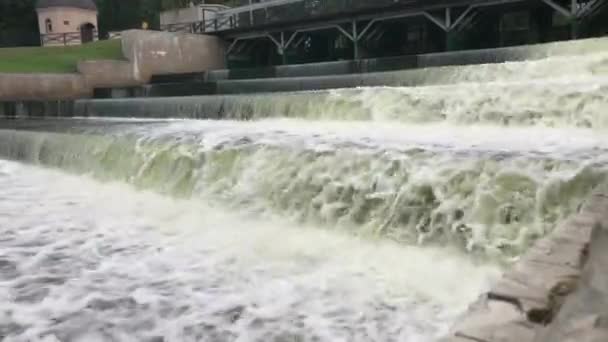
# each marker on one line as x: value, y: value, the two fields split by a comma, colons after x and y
x: 275, y: 12
x: 221, y: 23
x: 281, y: 11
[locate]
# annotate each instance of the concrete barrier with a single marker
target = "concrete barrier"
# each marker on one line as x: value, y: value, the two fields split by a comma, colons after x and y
x: 584, y: 314
x: 558, y: 291
x: 153, y: 52
x: 43, y: 87
x: 109, y: 73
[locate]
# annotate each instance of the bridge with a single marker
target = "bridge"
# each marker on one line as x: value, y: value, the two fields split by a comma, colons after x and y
x: 365, y: 28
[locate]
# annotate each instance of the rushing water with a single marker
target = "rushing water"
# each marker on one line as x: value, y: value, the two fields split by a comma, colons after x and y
x: 84, y: 261
x: 373, y: 214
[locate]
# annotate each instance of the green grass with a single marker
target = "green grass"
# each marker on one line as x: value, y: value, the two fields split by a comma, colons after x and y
x: 56, y: 59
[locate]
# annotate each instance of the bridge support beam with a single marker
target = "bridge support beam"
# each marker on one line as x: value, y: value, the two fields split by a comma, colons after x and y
x: 355, y: 41
x: 451, y: 24
x: 576, y: 14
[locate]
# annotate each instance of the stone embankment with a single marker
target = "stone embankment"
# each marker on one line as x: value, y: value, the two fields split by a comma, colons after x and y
x: 558, y: 291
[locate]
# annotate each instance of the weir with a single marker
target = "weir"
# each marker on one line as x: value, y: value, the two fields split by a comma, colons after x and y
x: 459, y: 205
x: 411, y: 70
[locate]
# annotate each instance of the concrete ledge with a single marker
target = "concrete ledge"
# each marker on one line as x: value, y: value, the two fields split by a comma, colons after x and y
x: 108, y: 73
x: 52, y: 108
x: 558, y: 291
x: 584, y: 315
x: 43, y: 87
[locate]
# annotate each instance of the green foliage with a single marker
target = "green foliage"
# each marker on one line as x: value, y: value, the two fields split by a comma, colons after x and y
x: 18, y: 23
x: 117, y: 15
x: 16, y: 13
x: 56, y: 59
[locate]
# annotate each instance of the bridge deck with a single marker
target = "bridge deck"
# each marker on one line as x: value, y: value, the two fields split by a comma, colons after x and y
x: 295, y: 13
x: 287, y: 22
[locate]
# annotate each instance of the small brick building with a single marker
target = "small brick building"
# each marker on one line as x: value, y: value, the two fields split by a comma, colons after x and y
x: 67, y: 22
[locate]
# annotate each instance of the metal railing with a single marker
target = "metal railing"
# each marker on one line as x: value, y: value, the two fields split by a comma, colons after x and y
x: 273, y: 12
x: 281, y: 11
x: 66, y: 38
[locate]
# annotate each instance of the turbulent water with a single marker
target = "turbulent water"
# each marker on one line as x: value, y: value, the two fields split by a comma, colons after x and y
x: 84, y: 261
x: 373, y: 214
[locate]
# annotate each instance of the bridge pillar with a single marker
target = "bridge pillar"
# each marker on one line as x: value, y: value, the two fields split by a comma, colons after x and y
x: 355, y: 41
x: 450, y: 41
x: 574, y: 29
x: 578, y: 13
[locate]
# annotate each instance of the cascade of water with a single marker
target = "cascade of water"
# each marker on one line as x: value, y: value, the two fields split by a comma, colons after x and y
x: 473, y: 187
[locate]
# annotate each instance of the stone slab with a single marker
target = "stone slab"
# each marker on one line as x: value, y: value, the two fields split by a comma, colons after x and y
x: 558, y: 290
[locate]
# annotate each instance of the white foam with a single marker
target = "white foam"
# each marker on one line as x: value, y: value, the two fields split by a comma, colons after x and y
x: 128, y: 265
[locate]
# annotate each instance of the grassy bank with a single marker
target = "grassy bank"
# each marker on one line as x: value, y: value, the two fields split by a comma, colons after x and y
x: 56, y: 59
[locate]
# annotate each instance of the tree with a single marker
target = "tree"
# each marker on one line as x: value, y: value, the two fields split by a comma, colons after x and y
x: 118, y: 15
x: 18, y: 23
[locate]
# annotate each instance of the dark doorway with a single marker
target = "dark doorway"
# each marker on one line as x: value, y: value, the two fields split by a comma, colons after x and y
x: 87, y: 32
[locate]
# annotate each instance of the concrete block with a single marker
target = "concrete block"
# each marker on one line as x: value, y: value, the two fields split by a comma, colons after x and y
x: 545, y: 276
x: 488, y: 313
x: 16, y: 87
x: 525, y: 296
x: 155, y: 53
x: 557, y: 252
x: 109, y: 73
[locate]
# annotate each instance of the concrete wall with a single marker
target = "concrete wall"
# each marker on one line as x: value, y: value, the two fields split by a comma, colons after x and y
x: 43, y: 86
x: 109, y: 73
x: 154, y: 53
